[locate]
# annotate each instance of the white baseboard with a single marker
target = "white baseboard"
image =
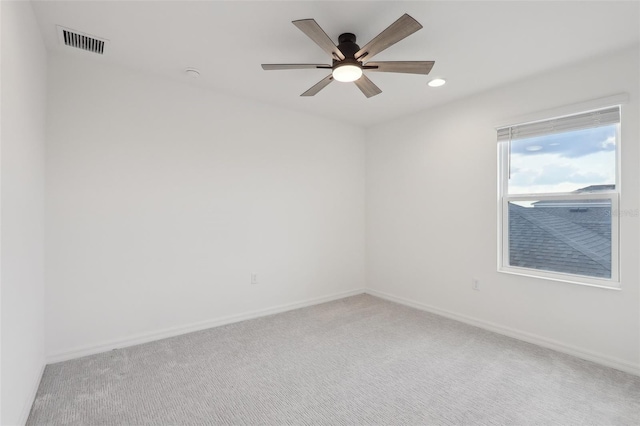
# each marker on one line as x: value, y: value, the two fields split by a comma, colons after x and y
x: 497, y: 328
x: 202, y: 325
x: 35, y: 384
x: 516, y: 334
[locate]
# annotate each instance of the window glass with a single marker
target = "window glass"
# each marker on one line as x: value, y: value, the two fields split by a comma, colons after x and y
x: 564, y: 162
x: 567, y: 236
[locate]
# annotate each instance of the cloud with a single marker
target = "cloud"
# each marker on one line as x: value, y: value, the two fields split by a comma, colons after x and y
x: 554, y: 173
x: 570, y: 144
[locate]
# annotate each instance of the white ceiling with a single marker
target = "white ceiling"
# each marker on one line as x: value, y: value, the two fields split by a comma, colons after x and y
x: 476, y: 45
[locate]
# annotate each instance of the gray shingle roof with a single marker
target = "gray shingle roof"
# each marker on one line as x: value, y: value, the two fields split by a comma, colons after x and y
x: 596, y: 188
x: 557, y: 239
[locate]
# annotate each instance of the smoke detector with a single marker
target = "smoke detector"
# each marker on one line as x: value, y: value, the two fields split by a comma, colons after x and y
x: 79, y: 40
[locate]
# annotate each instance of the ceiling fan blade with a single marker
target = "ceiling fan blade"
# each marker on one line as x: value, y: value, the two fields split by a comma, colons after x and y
x: 367, y: 87
x: 293, y: 66
x: 319, y: 86
x: 408, y: 67
x: 403, y: 27
x: 311, y: 28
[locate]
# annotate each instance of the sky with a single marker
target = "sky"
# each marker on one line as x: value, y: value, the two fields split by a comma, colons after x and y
x: 563, y: 162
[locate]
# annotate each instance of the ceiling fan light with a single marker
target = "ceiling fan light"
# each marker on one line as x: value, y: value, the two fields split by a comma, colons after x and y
x: 347, y: 73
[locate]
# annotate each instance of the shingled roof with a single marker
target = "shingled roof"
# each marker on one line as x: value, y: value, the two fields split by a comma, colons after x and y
x: 561, y: 240
x: 596, y: 188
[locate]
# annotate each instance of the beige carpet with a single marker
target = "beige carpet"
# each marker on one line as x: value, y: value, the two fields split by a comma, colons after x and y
x: 359, y: 360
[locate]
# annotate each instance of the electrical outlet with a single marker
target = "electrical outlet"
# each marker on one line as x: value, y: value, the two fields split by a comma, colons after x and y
x: 254, y: 278
x: 475, y: 284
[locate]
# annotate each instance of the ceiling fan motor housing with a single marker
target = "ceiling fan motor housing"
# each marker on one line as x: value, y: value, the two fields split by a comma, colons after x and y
x: 348, y: 47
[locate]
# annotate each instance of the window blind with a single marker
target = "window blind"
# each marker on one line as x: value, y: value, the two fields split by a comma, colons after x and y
x: 569, y: 123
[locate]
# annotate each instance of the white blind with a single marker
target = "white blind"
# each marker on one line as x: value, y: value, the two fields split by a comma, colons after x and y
x: 585, y: 120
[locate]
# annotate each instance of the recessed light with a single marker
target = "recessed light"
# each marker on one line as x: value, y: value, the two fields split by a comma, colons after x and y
x: 533, y: 148
x: 437, y: 82
x: 192, y: 73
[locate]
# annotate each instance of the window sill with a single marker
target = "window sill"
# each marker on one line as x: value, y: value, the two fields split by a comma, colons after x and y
x: 564, y: 278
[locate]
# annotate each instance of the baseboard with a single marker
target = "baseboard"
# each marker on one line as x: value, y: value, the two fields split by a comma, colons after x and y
x: 189, y: 328
x: 497, y: 328
x: 607, y: 361
x: 35, y: 384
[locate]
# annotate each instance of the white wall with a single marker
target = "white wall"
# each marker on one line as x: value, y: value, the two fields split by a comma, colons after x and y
x: 163, y: 198
x: 22, y: 214
x: 432, y: 221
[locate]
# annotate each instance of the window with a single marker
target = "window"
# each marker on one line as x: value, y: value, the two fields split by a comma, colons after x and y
x: 559, y: 197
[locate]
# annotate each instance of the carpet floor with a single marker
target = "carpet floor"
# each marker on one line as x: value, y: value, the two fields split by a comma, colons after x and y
x: 360, y: 360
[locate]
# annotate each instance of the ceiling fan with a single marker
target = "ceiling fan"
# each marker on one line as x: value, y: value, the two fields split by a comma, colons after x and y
x: 349, y: 59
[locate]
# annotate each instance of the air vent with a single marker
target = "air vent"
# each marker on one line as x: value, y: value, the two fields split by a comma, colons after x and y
x: 79, y: 40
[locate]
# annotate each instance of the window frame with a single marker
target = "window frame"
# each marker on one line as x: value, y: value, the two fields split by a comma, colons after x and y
x: 503, y: 217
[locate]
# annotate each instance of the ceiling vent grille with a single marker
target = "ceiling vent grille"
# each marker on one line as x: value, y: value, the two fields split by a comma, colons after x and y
x: 79, y: 40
